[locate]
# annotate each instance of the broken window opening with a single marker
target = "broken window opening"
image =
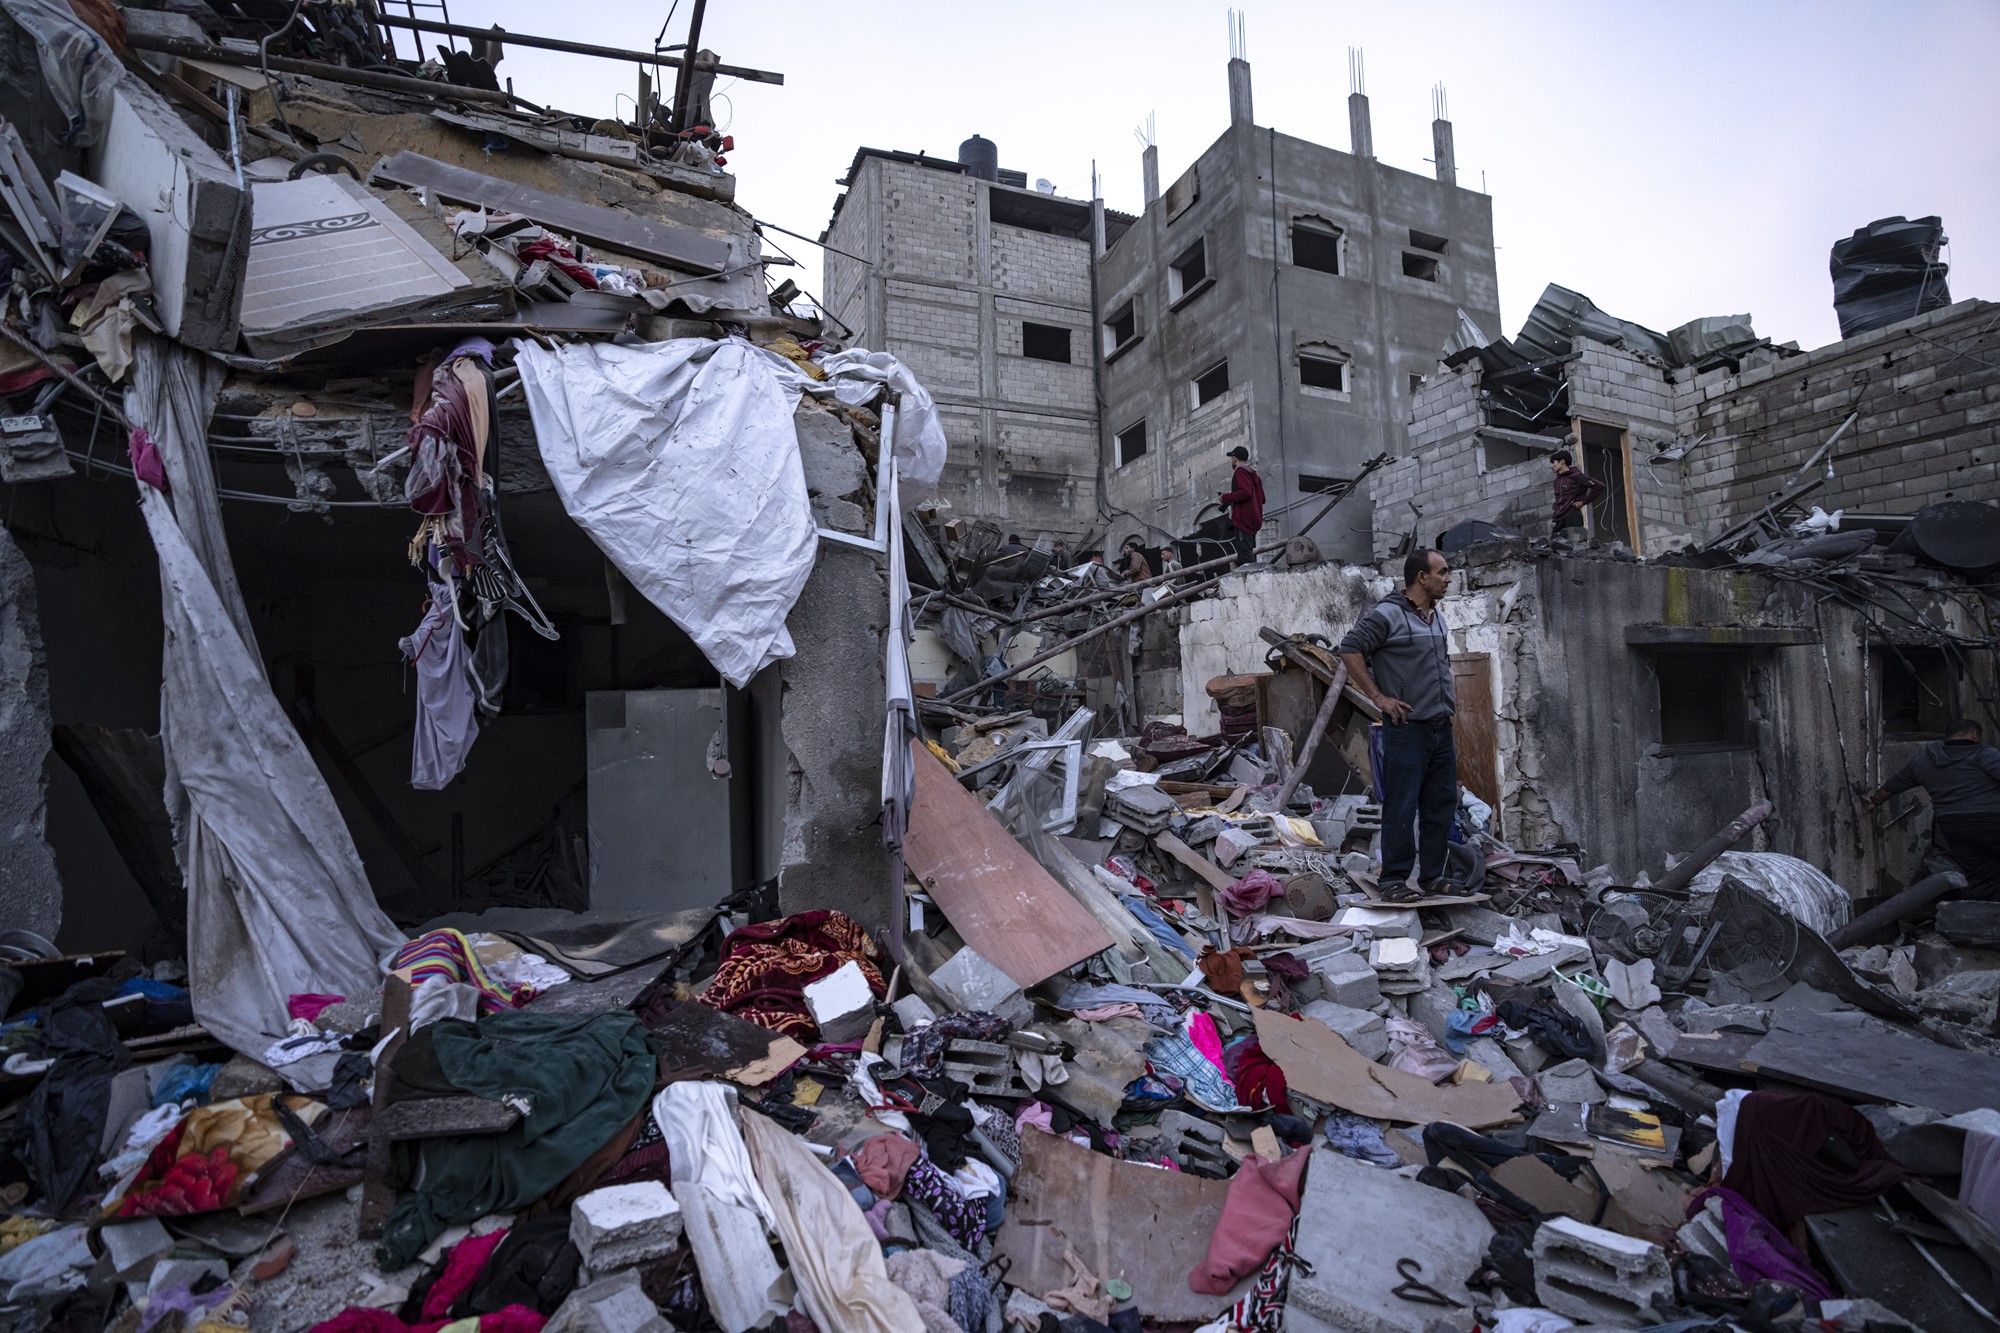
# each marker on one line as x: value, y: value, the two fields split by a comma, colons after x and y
x: 1211, y: 384
x: 1122, y: 328
x: 1505, y: 453
x: 1423, y: 240
x: 1129, y: 443
x: 1323, y: 372
x: 1188, y: 274
x: 1045, y: 342
x: 1416, y: 383
x: 1314, y: 485
x: 1704, y: 699
x: 1316, y: 245
x: 1422, y: 267
x: 1917, y: 693
x: 1603, y: 457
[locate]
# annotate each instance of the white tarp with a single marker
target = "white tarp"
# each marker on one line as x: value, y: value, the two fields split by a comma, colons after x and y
x: 681, y: 462
x: 278, y: 904
x: 919, y: 443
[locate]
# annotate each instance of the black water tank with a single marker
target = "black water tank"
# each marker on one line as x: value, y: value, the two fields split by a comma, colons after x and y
x: 980, y: 157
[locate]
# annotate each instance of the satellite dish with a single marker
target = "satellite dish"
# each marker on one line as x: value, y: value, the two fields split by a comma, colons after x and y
x: 1044, y: 186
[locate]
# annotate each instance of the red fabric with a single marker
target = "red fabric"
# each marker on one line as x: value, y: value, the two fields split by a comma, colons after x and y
x: 310, y: 1005
x: 1263, y: 1200
x: 883, y: 1162
x: 513, y: 1319
x: 146, y: 464
x: 1260, y: 1084
x: 1246, y: 500
x: 561, y: 257
x: 1776, y: 1163
x: 766, y: 968
x: 461, y: 1269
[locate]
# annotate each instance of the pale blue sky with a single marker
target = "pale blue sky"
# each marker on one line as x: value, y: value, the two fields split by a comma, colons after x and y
x: 1668, y: 160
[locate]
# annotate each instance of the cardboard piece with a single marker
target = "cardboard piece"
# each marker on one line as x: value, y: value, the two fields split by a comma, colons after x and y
x: 1320, y: 1065
x: 1146, y: 1226
x: 989, y: 886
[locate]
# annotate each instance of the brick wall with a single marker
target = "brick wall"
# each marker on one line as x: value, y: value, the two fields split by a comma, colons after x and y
x: 929, y: 222
x: 1033, y: 263
x: 1446, y: 405
x: 1928, y: 396
x: 1619, y: 388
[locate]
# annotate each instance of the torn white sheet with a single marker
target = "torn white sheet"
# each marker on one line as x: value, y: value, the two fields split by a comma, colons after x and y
x: 919, y: 443
x: 681, y: 461
x: 278, y: 904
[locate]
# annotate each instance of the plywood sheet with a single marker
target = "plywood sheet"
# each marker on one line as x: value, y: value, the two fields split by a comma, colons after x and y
x: 1322, y: 1066
x: 1147, y: 1226
x: 988, y: 885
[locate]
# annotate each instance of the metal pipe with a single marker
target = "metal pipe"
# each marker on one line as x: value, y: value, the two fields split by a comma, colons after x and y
x: 684, y: 78
x: 506, y: 38
x: 1920, y: 894
x: 395, y: 83
x: 1081, y: 639
x: 1684, y: 871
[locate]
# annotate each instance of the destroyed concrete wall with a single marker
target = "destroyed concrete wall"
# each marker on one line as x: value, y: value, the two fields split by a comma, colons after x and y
x: 31, y: 896
x: 948, y: 289
x: 1219, y: 634
x: 1267, y: 312
x: 1613, y: 387
x: 1928, y: 394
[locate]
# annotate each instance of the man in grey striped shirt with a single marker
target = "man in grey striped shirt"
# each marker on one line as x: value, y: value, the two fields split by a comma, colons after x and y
x: 1399, y: 655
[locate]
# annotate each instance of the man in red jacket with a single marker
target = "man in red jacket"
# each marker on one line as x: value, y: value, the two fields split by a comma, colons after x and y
x: 1245, y: 500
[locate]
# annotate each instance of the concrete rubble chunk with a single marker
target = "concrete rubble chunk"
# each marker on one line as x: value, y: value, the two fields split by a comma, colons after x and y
x: 1703, y: 1018
x: 1362, y: 1029
x: 1570, y: 1081
x: 842, y: 1004
x: 914, y: 1011
x: 1108, y: 1057
x: 614, y: 1305
x: 1355, y: 1222
x: 1599, y: 1276
x: 624, y: 1225
x: 132, y: 1246
x: 738, y: 1271
x: 1192, y: 1143
x: 1345, y: 978
x: 970, y: 982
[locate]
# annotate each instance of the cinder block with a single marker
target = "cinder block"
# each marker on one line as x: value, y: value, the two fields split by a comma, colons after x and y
x: 1364, y: 1031
x: 1346, y: 979
x: 1598, y: 1276
x: 842, y: 1004
x: 986, y: 1067
x: 624, y: 1225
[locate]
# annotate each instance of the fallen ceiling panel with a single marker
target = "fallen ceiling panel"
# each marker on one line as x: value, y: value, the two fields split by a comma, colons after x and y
x: 677, y: 246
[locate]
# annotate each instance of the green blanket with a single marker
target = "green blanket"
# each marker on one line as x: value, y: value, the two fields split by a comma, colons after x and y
x: 583, y: 1078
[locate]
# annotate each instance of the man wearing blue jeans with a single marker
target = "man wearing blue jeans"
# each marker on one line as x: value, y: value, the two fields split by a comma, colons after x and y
x: 1399, y: 655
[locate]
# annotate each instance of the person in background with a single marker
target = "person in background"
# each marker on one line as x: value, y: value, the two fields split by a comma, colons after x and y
x: 1245, y: 501
x: 1169, y: 562
x: 1575, y: 490
x: 1399, y: 655
x: 1132, y: 566
x: 1962, y: 775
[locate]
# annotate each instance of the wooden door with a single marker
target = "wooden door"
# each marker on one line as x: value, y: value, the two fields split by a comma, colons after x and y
x: 1473, y: 731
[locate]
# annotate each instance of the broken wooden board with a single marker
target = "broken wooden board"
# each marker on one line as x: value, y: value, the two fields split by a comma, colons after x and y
x: 697, y: 1042
x: 1319, y: 1064
x: 676, y: 246
x: 1146, y: 1226
x: 1860, y: 1058
x: 1214, y: 874
x: 991, y: 889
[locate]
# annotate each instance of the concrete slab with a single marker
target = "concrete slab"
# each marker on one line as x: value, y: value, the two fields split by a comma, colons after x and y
x: 1363, y: 1029
x: 624, y: 1225
x: 1355, y: 1222
x: 842, y: 1004
x: 1570, y: 1081
x: 970, y: 982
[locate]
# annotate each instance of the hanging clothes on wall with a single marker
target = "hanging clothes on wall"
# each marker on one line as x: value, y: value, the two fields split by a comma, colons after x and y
x: 447, y: 721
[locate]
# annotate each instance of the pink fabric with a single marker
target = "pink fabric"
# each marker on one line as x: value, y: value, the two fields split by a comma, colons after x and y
x: 461, y: 1269
x: 882, y: 1163
x: 310, y: 1006
x: 513, y: 1319
x: 1201, y: 1031
x: 1037, y: 1114
x: 1251, y: 892
x: 146, y: 464
x: 1263, y: 1199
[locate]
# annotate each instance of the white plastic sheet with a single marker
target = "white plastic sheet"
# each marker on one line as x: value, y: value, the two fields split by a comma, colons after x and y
x: 278, y: 903
x: 919, y: 445
x: 681, y: 462
x: 1800, y: 887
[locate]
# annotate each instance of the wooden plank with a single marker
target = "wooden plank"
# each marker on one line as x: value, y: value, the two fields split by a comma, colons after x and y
x: 1474, y: 730
x: 1319, y: 1064
x: 990, y: 888
x: 1858, y: 1058
x: 1216, y: 876
x: 678, y: 246
x: 378, y: 1197
x: 1146, y: 1226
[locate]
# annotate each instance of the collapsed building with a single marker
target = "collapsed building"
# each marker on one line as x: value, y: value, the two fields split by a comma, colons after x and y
x: 754, y: 897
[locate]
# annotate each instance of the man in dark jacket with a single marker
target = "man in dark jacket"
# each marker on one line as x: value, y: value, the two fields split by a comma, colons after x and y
x: 1575, y: 492
x: 1399, y: 655
x: 1245, y: 501
x: 1962, y: 775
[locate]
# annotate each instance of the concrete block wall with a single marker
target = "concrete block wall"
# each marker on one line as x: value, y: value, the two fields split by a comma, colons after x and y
x: 1618, y: 388
x: 1447, y: 483
x: 936, y: 332
x: 930, y: 220
x: 1034, y: 263
x: 1927, y: 392
x: 1446, y: 405
x: 1219, y: 634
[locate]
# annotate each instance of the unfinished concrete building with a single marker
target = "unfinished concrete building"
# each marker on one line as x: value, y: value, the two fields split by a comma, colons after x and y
x: 1289, y: 298
x: 983, y: 287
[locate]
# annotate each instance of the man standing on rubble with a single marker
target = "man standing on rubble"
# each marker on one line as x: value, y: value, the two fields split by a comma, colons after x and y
x: 1399, y: 655
x: 1962, y: 775
x: 1245, y: 501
